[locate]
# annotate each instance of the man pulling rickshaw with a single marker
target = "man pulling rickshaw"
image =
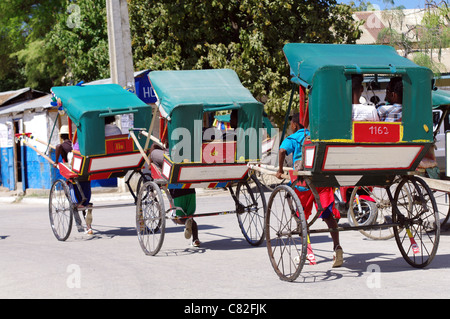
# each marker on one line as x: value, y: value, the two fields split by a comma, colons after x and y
x: 341, y: 151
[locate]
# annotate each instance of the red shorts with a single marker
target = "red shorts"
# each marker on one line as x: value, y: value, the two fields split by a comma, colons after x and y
x: 326, y: 195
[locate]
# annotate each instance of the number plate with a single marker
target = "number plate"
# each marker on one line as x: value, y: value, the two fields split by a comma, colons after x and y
x: 376, y: 132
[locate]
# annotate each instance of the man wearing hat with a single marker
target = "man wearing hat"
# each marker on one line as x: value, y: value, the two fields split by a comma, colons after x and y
x: 62, y: 150
x: 65, y: 147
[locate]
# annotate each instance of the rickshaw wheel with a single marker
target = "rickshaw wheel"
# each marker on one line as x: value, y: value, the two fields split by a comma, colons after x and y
x: 443, y: 203
x: 142, y: 180
x: 286, y: 233
x: 250, y: 211
x: 418, y: 216
x: 150, y: 218
x: 60, y: 210
x: 362, y: 212
x: 383, y: 214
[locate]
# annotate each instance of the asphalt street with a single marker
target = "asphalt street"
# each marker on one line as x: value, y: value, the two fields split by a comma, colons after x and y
x: 111, y: 264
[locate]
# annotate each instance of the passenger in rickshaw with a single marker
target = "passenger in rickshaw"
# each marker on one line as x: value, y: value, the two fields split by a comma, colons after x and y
x: 293, y: 144
x: 375, y: 100
x: 111, y: 128
x: 392, y: 112
x: 361, y: 112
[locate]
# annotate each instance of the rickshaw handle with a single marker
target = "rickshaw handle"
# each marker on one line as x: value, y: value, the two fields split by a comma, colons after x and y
x: 30, y: 135
x: 39, y: 152
x: 266, y: 171
x: 147, y: 160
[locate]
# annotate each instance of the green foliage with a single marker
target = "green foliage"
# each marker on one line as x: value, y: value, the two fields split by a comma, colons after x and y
x: 80, y: 36
x: 422, y: 59
x: 11, y: 76
x: 434, y: 30
x: 247, y: 36
x: 53, y: 42
x: 42, y: 66
x: 23, y: 25
x: 423, y: 41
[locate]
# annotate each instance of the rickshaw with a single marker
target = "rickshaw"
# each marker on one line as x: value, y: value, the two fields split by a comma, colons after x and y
x: 342, y: 152
x: 97, y: 156
x: 187, y: 101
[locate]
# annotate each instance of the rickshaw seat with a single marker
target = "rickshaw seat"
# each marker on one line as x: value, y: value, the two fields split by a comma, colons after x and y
x: 156, y: 172
x: 66, y: 171
x: 292, y: 177
x: 119, y: 157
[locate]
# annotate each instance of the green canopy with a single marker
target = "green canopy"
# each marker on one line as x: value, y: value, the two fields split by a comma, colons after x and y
x: 78, y: 101
x: 306, y: 59
x: 186, y: 95
x: 211, y: 88
x: 326, y: 70
x: 440, y: 97
x: 88, y: 105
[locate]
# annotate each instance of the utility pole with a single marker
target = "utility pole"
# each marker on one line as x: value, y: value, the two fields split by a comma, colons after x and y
x: 119, y: 39
x: 120, y: 54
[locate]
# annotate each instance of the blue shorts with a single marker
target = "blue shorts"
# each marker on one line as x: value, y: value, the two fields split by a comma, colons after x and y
x: 327, y: 212
x: 75, y: 193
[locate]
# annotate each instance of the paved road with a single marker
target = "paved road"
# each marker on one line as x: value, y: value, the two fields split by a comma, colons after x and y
x: 111, y: 264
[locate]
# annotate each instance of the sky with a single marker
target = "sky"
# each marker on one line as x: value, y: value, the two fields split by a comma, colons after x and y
x: 408, y: 4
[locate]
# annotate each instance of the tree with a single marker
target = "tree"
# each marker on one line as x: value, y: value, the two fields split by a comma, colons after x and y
x: 442, y: 6
x: 80, y: 36
x: 23, y: 26
x: 11, y: 75
x: 423, y: 40
x: 64, y: 41
x: 247, y: 36
x: 52, y: 42
x: 434, y: 33
x: 395, y: 18
x: 42, y: 65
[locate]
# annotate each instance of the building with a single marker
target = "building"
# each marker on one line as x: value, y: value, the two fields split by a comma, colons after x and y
x: 404, y: 23
x: 28, y: 111
x: 8, y: 151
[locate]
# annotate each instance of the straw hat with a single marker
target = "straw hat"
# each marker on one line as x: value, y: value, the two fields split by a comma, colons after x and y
x: 64, y: 130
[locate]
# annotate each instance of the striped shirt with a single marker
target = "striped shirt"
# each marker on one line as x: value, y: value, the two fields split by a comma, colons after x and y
x: 390, y: 113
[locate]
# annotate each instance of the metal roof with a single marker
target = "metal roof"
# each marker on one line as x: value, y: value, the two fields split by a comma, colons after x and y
x: 19, y: 107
